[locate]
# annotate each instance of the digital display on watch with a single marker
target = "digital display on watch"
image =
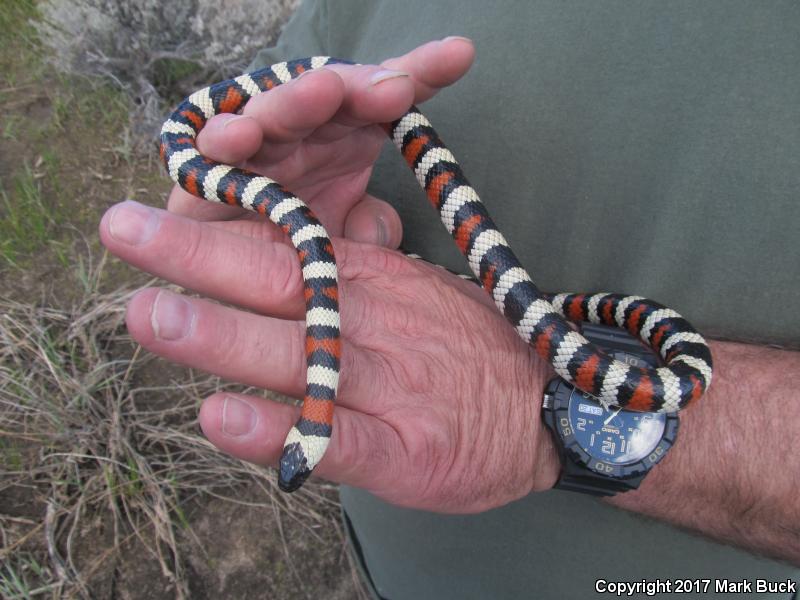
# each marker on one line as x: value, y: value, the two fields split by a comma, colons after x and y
x: 614, y: 435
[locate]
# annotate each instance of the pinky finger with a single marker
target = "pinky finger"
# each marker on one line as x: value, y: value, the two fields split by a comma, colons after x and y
x: 364, y: 451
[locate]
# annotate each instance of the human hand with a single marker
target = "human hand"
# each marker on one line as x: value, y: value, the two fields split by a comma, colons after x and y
x: 319, y: 135
x: 439, y: 399
x: 420, y: 424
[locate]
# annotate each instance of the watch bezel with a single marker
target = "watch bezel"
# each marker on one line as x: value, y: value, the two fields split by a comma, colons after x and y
x: 556, y: 413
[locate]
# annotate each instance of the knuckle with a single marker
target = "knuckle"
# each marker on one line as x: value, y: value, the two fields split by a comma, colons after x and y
x: 361, y: 451
x: 406, y: 321
x: 349, y: 445
x: 431, y: 459
x: 294, y: 357
x: 228, y: 345
x: 235, y: 346
x: 415, y: 372
x: 191, y: 254
x: 277, y: 273
x: 435, y: 447
x: 348, y: 370
x: 354, y: 312
x: 366, y: 261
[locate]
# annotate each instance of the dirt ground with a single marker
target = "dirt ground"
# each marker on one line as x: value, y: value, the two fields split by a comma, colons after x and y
x: 107, y: 489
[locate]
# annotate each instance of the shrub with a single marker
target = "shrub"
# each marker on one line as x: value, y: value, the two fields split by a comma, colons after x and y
x: 159, y: 52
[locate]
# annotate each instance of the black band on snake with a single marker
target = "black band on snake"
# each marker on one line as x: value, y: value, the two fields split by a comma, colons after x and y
x: 540, y: 319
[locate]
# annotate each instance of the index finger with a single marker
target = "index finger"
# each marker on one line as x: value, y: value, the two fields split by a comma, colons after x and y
x: 435, y: 65
x: 428, y: 68
x: 369, y: 94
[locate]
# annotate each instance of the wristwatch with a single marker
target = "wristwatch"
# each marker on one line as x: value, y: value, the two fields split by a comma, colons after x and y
x: 605, y: 451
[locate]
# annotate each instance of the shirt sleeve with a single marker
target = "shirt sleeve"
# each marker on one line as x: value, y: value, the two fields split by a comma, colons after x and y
x: 305, y: 34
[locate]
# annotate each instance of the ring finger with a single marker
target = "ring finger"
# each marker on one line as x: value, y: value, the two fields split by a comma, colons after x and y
x: 239, y: 346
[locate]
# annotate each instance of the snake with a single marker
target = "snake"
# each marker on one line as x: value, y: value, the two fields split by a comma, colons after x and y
x: 541, y: 320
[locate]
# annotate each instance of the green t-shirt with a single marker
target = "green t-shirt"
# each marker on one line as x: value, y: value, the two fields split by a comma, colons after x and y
x: 650, y: 148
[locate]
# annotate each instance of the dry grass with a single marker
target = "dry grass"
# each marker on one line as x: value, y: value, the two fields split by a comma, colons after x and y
x: 107, y: 487
x: 83, y: 426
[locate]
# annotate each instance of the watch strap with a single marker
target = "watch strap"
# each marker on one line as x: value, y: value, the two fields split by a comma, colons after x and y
x: 577, y: 479
x: 614, y: 340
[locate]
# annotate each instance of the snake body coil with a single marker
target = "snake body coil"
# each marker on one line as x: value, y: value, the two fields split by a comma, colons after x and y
x: 540, y: 319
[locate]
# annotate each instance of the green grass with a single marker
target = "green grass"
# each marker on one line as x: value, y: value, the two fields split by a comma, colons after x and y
x: 167, y: 72
x: 11, y: 127
x: 16, y: 19
x: 23, y: 578
x: 81, y: 99
x: 26, y: 219
x: 10, y: 456
x: 45, y: 116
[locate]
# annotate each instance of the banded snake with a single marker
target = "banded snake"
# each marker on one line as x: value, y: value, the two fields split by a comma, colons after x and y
x: 540, y: 319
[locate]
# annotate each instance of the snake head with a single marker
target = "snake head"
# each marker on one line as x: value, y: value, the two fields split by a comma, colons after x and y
x: 293, y: 468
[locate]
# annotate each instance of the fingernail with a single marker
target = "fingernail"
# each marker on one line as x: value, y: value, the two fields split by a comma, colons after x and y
x: 228, y: 118
x: 172, y: 317
x: 132, y: 223
x: 238, y: 418
x: 458, y: 37
x: 383, y: 234
x: 385, y: 74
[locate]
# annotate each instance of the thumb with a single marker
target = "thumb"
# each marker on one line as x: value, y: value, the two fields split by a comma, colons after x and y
x: 374, y: 221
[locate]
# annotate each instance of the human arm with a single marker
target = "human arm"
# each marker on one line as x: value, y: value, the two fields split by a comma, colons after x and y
x: 733, y: 474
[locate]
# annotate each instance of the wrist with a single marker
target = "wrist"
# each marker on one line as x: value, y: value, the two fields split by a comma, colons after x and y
x: 547, y: 463
x: 548, y: 468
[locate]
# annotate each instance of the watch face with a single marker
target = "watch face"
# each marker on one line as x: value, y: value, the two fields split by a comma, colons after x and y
x: 616, y: 436
x: 612, y: 443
